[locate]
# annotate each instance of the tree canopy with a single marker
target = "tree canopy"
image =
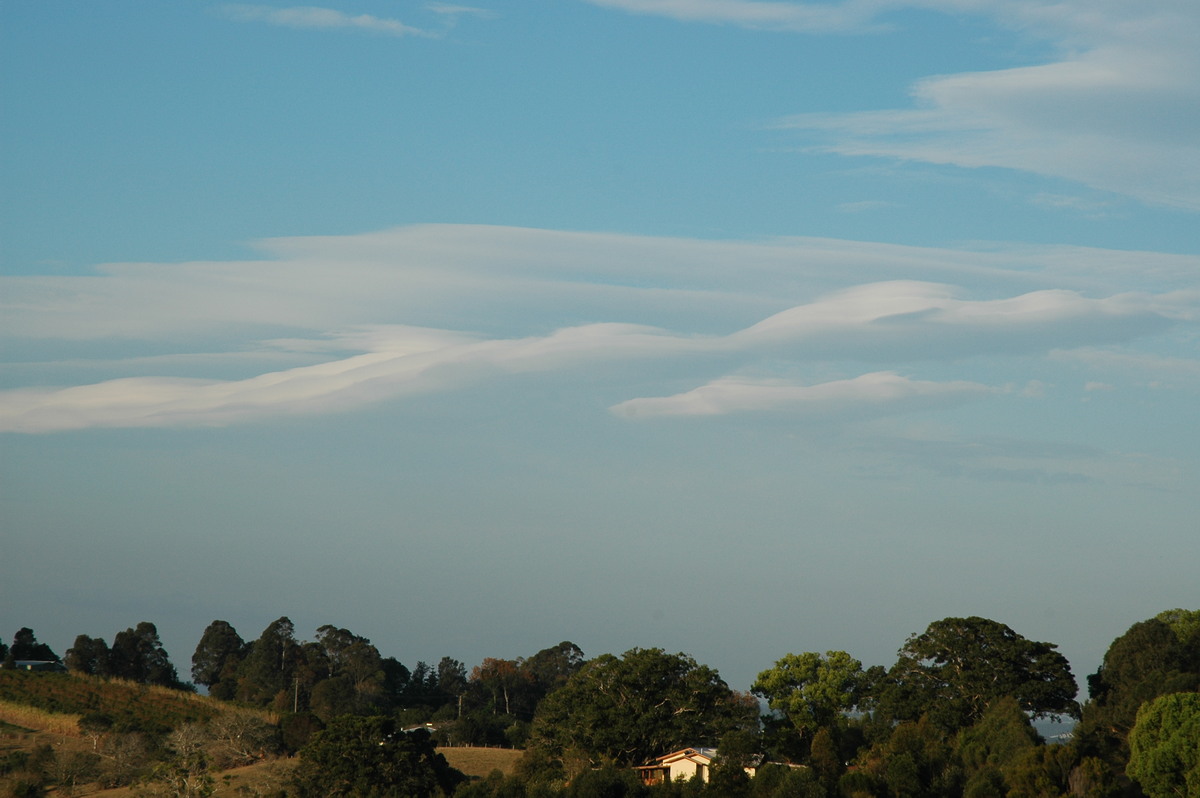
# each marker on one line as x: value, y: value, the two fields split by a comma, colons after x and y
x: 372, y: 757
x: 626, y: 709
x: 25, y: 646
x: 810, y: 690
x: 1164, y: 746
x: 958, y: 666
x: 217, y: 655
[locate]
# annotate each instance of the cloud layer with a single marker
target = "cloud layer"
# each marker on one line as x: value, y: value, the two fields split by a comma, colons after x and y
x: 360, y: 308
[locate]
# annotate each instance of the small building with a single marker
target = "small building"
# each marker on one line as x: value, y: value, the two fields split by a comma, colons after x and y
x: 39, y: 665
x: 686, y: 763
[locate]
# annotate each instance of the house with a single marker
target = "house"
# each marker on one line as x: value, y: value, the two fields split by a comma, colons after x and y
x: 686, y: 763
x: 39, y: 665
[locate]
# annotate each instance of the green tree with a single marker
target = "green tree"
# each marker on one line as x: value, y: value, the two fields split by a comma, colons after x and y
x: 1164, y: 746
x: 88, y: 655
x: 917, y: 761
x: 990, y: 749
x: 497, y: 681
x: 627, y: 709
x: 452, y: 681
x: 267, y: 671
x: 214, y: 663
x: 1154, y: 657
x: 738, y: 750
x: 25, y: 646
x: 370, y: 757
x: 1149, y: 660
x: 1184, y: 623
x: 958, y: 666
x: 811, y: 691
x: 138, y: 655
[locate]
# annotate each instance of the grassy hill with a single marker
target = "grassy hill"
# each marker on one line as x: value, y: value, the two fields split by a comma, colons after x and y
x: 56, y: 701
x: 39, y: 732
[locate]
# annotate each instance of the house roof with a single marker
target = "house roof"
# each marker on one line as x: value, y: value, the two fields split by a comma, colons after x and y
x: 695, y: 754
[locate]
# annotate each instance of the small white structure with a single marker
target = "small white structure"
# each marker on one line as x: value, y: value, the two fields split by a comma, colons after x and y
x: 686, y: 763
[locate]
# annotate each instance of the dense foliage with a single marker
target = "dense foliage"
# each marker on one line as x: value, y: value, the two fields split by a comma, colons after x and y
x: 624, y: 710
x: 951, y: 718
x: 373, y: 757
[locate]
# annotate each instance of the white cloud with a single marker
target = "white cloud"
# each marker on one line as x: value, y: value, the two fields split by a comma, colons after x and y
x: 1117, y: 112
x: 402, y: 361
x: 752, y: 13
x: 431, y: 308
x: 514, y: 282
x: 911, y: 319
x: 881, y: 391
x: 315, y: 18
x: 452, y: 10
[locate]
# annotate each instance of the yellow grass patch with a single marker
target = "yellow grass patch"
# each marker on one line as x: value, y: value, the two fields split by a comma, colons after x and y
x: 39, y: 719
x: 482, y: 761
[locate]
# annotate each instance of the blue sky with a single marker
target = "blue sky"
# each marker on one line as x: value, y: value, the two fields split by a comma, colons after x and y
x: 736, y: 328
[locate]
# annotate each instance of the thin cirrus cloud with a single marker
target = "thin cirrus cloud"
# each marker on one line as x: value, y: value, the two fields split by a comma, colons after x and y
x: 316, y: 18
x: 362, y: 306
x: 407, y: 361
x: 516, y: 282
x: 1114, y: 107
x: 808, y: 17
x: 1116, y: 112
x: 875, y: 392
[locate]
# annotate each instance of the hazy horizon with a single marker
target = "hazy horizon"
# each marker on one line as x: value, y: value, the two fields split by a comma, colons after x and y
x: 734, y: 328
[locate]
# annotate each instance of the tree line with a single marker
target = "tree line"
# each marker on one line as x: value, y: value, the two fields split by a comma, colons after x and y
x: 951, y: 717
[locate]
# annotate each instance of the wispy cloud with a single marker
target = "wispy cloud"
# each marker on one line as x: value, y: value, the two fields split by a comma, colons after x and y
x: 432, y: 308
x: 451, y: 10
x: 1117, y: 113
x: 881, y: 391
x: 316, y: 18
x: 810, y: 17
x: 1117, y: 110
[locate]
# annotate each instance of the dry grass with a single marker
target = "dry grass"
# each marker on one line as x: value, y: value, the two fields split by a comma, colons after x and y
x: 482, y: 761
x: 261, y: 778
x: 35, y: 719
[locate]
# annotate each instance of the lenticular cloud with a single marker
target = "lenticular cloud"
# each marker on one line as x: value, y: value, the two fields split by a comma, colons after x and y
x: 349, y: 317
x: 881, y: 391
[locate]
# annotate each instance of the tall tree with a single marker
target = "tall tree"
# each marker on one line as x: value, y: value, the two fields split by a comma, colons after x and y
x: 353, y: 657
x: 138, y: 655
x: 265, y: 675
x: 958, y: 666
x: 216, y: 658
x: 644, y: 703
x: 498, y: 680
x: 452, y: 681
x: 550, y: 668
x: 88, y: 655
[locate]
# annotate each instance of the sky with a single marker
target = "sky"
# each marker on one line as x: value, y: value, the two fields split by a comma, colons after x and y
x: 730, y: 327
